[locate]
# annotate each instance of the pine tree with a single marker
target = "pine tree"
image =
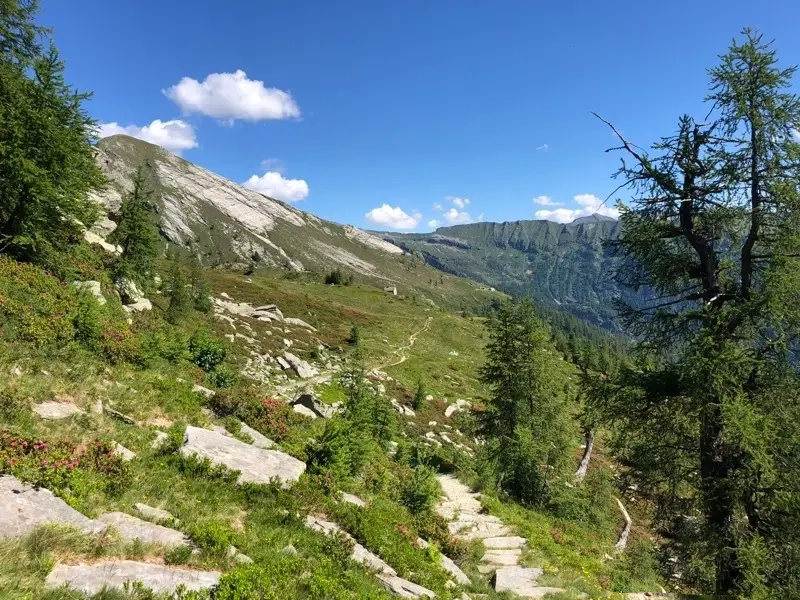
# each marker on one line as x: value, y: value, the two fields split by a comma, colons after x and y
x: 137, y: 232
x: 201, y: 292
x: 706, y: 419
x: 46, y: 157
x: 179, y: 300
x: 419, y: 395
x: 526, y: 420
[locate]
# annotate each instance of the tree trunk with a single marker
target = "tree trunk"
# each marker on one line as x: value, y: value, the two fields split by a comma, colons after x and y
x: 622, y: 541
x: 587, y: 455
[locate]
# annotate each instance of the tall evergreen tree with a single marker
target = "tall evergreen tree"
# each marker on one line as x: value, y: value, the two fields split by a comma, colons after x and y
x: 707, y: 417
x: 47, y: 165
x: 201, y: 292
x: 137, y: 232
x: 526, y: 419
x: 179, y: 300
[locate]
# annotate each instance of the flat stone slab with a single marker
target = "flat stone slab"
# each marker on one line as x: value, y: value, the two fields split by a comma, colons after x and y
x: 54, y: 410
x: 522, y: 581
x: 502, y: 558
x: 259, y: 439
x: 351, y: 499
x: 504, y: 543
x: 123, y: 452
x: 255, y: 465
x: 24, y: 508
x: 131, y: 528
x: 153, y: 514
x: 91, y: 579
x: 404, y: 588
x: 360, y: 554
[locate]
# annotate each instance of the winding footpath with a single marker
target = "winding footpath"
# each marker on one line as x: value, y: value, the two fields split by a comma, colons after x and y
x: 468, y: 522
x: 412, y: 339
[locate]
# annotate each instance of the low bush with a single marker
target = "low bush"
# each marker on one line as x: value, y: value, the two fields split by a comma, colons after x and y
x: 422, y: 491
x: 338, y: 277
x: 206, y: 351
x: 270, y: 416
x: 222, y: 377
x: 213, y: 537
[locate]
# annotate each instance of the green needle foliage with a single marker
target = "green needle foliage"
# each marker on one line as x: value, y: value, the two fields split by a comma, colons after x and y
x: 526, y: 421
x: 707, y: 418
x: 47, y: 165
x: 137, y: 232
x: 179, y: 300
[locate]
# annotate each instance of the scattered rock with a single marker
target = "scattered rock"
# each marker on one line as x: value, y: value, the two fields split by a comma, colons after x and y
x: 141, y: 305
x: 301, y: 367
x: 255, y: 465
x: 130, y: 529
x: 289, y: 549
x: 403, y: 587
x: 93, y: 578
x: 97, y: 407
x: 118, y: 415
x: 159, y: 440
x: 199, y: 389
x: 154, y: 514
x: 24, y: 508
x: 96, y: 240
x: 456, y: 406
x: 237, y: 556
x: 129, y: 291
x: 283, y: 363
x: 54, y: 410
x: 298, y: 323
x: 259, y: 440
x: 351, y: 499
x: 403, y: 409
x: 502, y: 558
x: 93, y: 288
x: 319, y: 408
x: 16, y: 371
x: 125, y: 454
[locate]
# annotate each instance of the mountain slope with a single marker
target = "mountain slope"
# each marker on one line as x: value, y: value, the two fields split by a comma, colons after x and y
x: 563, y: 265
x: 229, y: 225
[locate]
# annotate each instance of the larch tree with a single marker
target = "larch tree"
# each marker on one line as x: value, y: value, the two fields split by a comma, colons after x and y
x: 526, y: 418
x: 706, y: 419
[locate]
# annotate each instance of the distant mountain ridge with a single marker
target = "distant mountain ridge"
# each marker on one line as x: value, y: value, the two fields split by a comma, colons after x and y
x: 564, y: 265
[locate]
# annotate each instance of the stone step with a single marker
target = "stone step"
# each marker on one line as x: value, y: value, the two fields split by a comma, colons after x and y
x: 131, y: 528
x: 502, y: 558
x: 23, y: 508
x: 503, y: 543
x: 92, y: 578
x: 522, y: 581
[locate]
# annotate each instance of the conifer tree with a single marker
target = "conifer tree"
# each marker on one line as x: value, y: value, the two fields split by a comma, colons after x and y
x: 706, y: 419
x: 201, y: 292
x: 526, y: 420
x: 46, y: 157
x: 179, y: 300
x: 137, y: 231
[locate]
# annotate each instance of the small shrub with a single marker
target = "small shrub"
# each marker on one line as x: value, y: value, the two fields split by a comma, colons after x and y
x: 355, y: 336
x: 206, y: 351
x: 222, y: 377
x: 213, y: 537
x: 419, y: 395
x: 88, y: 320
x: 178, y: 556
x: 11, y: 406
x: 422, y: 491
x: 338, y: 277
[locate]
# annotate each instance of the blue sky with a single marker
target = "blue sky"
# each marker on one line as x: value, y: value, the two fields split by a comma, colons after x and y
x: 391, y: 115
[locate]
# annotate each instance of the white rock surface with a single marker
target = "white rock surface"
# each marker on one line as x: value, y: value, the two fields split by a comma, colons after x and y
x: 130, y: 528
x: 259, y: 439
x: 92, y: 288
x: 301, y: 367
x: 139, y: 306
x: 54, y: 410
x: 24, y: 508
x: 256, y: 465
x: 351, y: 499
x: 504, y: 543
x: 123, y: 452
x: 153, y: 514
x: 92, y: 578
x: 96, y: 240
x: 199, y: 389
x: 522, y: 581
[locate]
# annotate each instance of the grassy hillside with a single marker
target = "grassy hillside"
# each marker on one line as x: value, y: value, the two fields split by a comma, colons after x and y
x: 55, y: 344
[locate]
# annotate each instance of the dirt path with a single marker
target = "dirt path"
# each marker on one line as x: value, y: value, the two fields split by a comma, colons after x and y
x: 411, y: 341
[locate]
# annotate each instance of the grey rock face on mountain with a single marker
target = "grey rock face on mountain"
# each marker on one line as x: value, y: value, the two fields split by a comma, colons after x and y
x: 228, y: 222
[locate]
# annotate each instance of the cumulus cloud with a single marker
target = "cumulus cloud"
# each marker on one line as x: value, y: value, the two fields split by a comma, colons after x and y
x: 175, y: 135
x: 393, y: 217
x: 433, y: 223
x: 437, y: 207
x: 459, y: 202
x: 545, y: 201
x: 231, y: 96
x: 453, y: 216
x: 275, y: 185
x: 589, y: 204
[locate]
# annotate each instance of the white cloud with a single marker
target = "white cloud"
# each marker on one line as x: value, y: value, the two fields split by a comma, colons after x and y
x: 275, y: 185
x: 454, y: 216
x: 231, y: 96
x: 459, y: 202
x: 433, y: 223
x: 543, y: 147
x: 393, y: 217
x: 589, y: 205
x: 437, y: 207
x: 545, y: 201
x: 175, y: 135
